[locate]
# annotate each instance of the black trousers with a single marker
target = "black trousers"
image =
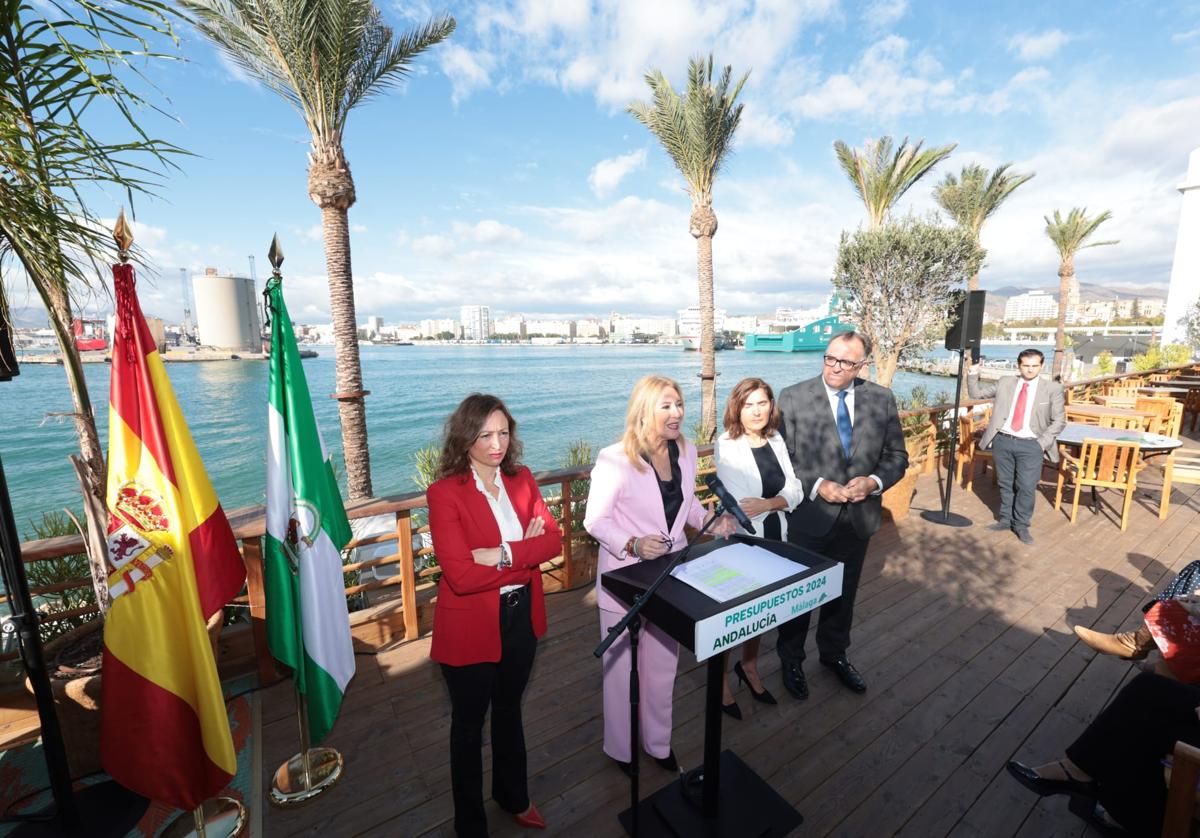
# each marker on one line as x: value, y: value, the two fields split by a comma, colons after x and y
x: 840, y: 544
x: 1018, y: 469
x: 1122, y: 749
x: 472, y: 689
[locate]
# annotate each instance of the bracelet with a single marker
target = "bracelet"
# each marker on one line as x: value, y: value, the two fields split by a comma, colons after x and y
x: 630, y: 545
x: 636, y: 554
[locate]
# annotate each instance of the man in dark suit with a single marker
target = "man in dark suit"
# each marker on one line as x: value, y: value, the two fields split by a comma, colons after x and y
x: 844, y: 437
x: 1028, y: 414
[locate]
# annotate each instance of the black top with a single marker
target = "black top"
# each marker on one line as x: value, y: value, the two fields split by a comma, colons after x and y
x: 671, y: 490
x: 772, y: 484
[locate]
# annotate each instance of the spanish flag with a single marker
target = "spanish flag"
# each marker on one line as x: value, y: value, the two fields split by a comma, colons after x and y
x: 173, y: 564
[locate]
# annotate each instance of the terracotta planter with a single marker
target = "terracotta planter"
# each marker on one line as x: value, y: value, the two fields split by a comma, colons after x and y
x: 77, y: 699
x: 898, y: 499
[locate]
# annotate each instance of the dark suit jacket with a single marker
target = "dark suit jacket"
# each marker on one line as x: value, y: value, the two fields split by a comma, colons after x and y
x: 466, y: 620
x: 810, y: 430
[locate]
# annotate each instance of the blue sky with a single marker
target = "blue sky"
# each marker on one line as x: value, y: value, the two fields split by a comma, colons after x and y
x: 506, y: 171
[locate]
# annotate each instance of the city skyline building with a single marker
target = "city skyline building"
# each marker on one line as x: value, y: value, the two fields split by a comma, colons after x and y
x: 476, y: 322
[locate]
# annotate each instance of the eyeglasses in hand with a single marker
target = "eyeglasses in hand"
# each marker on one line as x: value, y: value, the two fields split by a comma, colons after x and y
x: 841, y: 363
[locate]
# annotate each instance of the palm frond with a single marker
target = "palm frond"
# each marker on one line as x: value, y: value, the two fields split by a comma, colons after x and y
x: 881, y: 173
x: 696, y: 129
x: 323, y: 56
x: 1070, y: 234
x: 971, y: 198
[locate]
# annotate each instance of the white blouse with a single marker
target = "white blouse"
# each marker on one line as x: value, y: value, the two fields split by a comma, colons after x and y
x: 506, y: 516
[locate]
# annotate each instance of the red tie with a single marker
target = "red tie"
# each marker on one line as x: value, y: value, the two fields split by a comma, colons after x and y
x: 1018, y: 420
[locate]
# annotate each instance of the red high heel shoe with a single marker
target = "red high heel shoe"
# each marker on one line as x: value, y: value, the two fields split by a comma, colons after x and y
x: 531, y: 818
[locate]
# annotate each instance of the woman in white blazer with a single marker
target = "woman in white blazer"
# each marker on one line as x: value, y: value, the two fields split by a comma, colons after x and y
x: 753, y: 463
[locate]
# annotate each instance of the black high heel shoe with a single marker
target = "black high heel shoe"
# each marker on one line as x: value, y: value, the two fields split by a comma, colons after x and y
x: 1044, y: 786
x: 732, y: 709
x: 765, y: 696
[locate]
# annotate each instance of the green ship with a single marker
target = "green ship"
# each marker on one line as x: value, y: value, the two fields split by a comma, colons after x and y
x: 813, y: 337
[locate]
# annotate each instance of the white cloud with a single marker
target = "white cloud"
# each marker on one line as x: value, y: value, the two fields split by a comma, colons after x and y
x: 887, y: 80
x: 606, y: 47
x: 358, y: 228
x: 315, y: 233
x: 468, y: 71
x: 432, y: 245
x: 1029, y: 46
x: 1183, y: 37
x: 607, y: 175
x: 488, y: 231
x: 881, y: 14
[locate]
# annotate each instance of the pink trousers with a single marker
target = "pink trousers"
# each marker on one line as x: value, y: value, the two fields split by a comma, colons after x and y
x: 658, y: 655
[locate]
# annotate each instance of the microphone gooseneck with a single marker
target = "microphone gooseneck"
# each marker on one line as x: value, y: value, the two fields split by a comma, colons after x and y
x: 731, y: 506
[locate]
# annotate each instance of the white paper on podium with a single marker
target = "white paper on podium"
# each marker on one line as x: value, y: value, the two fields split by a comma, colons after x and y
x: 735, y: 570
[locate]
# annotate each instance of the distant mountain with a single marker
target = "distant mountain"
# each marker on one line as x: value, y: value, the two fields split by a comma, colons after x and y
x: 1088, y: 293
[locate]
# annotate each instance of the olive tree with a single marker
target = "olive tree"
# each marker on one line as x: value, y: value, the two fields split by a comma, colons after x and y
x: 898, y: 283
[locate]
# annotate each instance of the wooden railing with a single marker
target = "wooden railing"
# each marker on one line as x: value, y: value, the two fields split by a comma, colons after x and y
x: 400, y: 616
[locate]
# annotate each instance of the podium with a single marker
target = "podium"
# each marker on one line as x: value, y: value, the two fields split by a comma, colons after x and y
x: 733, y: 800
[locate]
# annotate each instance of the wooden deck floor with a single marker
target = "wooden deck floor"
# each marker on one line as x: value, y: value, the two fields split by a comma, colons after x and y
x: 963, y: 635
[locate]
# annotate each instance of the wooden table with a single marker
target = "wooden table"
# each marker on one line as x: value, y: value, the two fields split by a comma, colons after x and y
x: 1076, y: 432
x: 1174, y: 392
x: 1115, y: 401
x: 1099, y: 410
x: 1185, y: 383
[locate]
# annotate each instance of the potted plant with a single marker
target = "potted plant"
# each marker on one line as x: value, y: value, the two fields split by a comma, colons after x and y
x: 920, y: 439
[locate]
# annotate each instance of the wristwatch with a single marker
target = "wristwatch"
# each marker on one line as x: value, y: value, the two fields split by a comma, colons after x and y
x: 630, y: 545
x: 505, y: 558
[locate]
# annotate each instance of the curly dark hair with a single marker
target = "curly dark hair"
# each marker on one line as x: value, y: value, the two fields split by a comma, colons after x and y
x: 461, y: 430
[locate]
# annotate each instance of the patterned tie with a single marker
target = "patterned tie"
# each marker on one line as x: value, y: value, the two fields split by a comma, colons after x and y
x: 845, y: 429
x: 1018, y: 420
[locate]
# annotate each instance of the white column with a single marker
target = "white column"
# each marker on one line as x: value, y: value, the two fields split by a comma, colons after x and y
x: 1185, y: 272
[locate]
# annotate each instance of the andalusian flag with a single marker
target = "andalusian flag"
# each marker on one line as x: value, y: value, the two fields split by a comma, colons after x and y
x: 173, y: 564
x: 308, y: 626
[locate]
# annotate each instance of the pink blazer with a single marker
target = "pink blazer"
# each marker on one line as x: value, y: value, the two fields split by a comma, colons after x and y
x: 624, y: 502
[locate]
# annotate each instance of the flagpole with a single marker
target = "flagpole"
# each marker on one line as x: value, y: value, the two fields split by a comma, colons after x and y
x: 311, y: 771
x: 218, y: 817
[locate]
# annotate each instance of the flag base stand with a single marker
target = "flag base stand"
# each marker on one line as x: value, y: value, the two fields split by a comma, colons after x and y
x: 219, y: 817
x: 296, y: 782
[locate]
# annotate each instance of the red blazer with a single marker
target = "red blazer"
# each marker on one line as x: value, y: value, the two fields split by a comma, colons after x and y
x: 466, y: 619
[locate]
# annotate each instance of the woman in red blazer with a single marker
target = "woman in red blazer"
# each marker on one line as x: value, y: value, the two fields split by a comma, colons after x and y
x: 491, y: 532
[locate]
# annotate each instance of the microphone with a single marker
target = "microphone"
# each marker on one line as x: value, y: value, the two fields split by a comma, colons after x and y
x: 731, y: 506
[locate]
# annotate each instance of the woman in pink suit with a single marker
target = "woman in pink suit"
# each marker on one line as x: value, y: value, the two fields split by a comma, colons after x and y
x: 642, y: 495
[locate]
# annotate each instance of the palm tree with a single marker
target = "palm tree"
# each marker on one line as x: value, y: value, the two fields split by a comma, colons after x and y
x: 1070, y: 235
x: 882, y: 173
x: 696, y: 130
x: 56, y: 59
x: 971, y: 198
x: 325, y: 57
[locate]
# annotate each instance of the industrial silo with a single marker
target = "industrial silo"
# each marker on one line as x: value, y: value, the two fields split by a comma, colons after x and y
x: 227, y: 311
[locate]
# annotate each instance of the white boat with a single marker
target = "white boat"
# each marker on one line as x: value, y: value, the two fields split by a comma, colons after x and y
x: 689, y: 328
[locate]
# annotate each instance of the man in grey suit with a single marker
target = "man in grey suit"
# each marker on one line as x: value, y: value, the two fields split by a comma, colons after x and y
x: 844, y: 437
x: 1027, y: 416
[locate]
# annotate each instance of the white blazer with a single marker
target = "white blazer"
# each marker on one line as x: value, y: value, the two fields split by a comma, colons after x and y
x: 739, y: 472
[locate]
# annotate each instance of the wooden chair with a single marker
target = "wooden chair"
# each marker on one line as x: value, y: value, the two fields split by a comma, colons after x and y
x: 1191, y: 406
x: 1103, y: 464
x: 970, y: 429
x: 1159, y: 377
x: 1069, y: 396
x: 1181, y: 791
x: 1180, y: 466
x: 1122, y: 423
x: 1174, y: 426
x: 1161, y: 408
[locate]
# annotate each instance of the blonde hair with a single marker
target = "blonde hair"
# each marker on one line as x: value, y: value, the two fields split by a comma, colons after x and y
x: 639, y: 438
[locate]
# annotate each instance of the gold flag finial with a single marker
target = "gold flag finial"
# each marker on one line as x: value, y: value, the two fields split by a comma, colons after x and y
x: 123, y: 235
x: 275, y: 254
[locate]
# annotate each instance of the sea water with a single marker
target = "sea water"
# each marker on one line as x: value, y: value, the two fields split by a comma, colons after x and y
x: 558, y: 394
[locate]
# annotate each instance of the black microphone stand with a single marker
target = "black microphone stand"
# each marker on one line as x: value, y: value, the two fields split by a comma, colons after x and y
x: 944, y: 516
x: 632, y: 621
